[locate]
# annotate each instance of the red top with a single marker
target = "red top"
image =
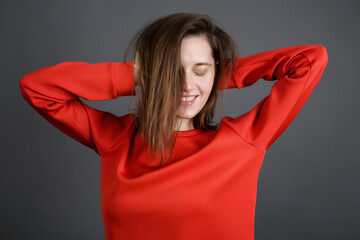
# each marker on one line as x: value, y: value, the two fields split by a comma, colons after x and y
x: 208, y: 190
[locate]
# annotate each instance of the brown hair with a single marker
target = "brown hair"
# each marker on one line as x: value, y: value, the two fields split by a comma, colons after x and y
x: 160, y: 81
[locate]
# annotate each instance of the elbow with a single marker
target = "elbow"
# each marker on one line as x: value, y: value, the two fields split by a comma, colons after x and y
x: 317, y: 56
x: 25, y: 83
x: 322, y: 54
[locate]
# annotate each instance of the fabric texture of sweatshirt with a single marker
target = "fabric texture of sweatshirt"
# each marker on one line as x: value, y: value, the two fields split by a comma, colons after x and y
x: 208, y: 189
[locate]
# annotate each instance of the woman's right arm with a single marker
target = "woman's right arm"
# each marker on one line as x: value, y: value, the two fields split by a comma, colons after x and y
x: 54, y: 93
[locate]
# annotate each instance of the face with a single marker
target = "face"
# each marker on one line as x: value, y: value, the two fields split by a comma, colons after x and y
x: 199, y: 74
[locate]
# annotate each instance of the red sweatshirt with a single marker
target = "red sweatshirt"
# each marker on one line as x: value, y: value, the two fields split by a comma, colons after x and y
x: 208, y: 190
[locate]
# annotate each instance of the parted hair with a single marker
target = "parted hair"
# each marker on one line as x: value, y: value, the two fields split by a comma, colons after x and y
x: 160, y: 76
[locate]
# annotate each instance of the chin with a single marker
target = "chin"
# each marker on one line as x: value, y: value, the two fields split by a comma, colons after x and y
x: 188, y: 115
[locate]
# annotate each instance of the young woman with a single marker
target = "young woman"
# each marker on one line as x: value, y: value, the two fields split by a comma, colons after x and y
x: 168, y: 172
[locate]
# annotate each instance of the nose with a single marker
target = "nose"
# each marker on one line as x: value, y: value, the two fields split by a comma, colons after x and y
x: 188, y: 82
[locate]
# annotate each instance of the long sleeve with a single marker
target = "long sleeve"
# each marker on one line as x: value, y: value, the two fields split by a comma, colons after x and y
x: 297, y: 69
x: 54, y: 93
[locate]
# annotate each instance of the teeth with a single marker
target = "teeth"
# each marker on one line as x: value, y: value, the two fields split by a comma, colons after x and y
x: 187, y: 99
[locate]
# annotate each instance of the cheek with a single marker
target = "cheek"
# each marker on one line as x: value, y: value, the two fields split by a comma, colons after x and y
x: 208, y: 85
x: 205, y: 90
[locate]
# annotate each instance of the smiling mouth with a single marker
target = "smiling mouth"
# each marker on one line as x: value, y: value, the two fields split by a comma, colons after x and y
x: 188, y: 99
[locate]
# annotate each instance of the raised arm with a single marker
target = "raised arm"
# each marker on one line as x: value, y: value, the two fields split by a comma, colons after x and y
x: 54, y: 93
x: 297, y: 69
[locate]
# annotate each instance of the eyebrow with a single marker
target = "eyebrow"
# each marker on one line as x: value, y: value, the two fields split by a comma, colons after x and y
x: 203, y: 63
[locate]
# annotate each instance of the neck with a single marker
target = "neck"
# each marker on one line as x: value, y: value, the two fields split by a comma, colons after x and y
x: 184, y: 124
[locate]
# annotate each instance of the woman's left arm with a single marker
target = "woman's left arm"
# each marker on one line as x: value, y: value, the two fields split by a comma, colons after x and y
x: 297, y: 69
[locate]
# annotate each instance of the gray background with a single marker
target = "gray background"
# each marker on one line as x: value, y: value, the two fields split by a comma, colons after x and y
x: 308, y: 186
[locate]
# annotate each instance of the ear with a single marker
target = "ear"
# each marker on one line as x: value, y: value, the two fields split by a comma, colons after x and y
x: 136, y: 58
x: 136, y: 66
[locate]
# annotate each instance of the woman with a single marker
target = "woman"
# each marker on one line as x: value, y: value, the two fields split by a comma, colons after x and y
x: 167, y: 172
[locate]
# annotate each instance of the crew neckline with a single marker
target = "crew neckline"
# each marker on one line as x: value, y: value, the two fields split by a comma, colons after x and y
x: 188, y: 133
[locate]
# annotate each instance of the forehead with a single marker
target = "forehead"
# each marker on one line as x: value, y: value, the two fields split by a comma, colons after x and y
x: 195, y: 50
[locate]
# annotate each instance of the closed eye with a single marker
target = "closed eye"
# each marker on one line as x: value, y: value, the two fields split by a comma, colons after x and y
x: 200, y: 74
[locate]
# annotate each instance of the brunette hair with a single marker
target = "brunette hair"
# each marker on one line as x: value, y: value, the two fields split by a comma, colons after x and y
x: 160, y: 81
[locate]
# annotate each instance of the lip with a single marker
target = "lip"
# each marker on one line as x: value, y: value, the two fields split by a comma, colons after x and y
x: 189, y: 95
x: 189, y: 102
